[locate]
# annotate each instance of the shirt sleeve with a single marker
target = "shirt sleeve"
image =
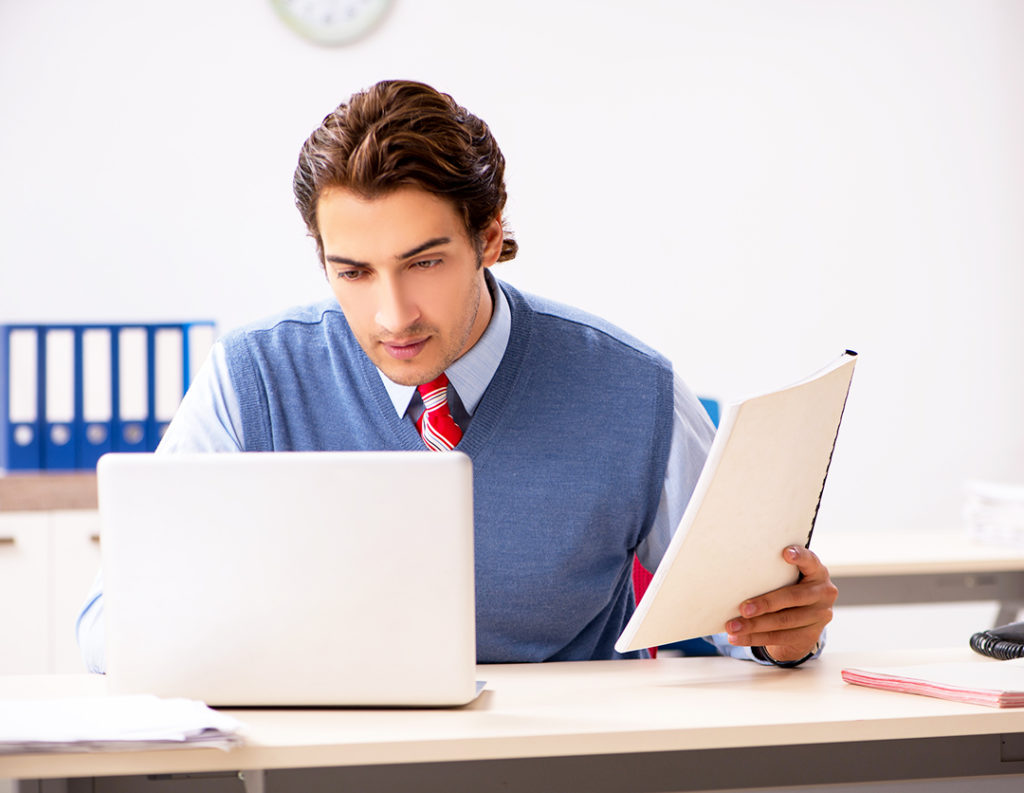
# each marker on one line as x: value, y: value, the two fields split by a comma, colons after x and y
x: 209, y: 417
x: 207, y: 420
x: 692, y: 433
x: 89, y: 629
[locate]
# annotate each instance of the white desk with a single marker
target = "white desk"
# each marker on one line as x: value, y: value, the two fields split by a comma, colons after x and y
x: 875, y: 568
x: 667, y: 724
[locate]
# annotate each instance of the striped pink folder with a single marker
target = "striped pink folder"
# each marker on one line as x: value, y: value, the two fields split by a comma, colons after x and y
x: 998, y: 684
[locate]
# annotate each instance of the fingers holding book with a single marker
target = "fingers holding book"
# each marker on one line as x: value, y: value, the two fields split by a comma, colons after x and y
x: 788, y: 622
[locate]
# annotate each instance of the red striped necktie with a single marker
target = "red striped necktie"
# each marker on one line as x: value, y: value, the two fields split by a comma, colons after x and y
x: 436, y: 426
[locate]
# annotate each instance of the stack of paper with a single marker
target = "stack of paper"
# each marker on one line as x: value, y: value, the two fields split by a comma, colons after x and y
x: 998, y: 684
x: 994, y: 513
x: 83, y: 724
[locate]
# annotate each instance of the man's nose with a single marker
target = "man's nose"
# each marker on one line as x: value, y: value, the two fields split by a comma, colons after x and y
x: 396, y: 308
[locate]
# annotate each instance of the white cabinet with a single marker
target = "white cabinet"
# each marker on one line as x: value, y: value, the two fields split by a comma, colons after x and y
x: 48, y: 560
x: 25, y: 593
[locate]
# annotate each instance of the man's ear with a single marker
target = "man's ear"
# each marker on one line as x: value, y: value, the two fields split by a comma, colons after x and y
x: 493, y: 237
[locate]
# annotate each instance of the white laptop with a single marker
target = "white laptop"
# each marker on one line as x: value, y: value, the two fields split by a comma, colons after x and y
x: 290, y: 579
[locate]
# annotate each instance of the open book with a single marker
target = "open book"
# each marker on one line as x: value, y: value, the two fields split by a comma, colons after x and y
x: 758, y: 493
x: 998, y: 684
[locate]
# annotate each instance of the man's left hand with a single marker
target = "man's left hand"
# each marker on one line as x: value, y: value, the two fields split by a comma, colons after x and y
x: 788, y: 622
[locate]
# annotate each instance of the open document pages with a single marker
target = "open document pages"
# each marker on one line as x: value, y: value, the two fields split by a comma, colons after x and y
x: 758, y: 493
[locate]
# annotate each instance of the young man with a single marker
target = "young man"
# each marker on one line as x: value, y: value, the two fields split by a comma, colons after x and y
x: 585, y: 445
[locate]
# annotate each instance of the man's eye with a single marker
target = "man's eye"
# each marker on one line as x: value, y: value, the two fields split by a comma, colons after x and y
x: 426, y: 264
x: 348, y: 275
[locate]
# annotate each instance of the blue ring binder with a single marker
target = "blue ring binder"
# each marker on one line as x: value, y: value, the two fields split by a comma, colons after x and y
x: 37, y: 389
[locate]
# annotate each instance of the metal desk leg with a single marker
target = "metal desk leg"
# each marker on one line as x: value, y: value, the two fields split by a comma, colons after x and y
x: 253, y: 781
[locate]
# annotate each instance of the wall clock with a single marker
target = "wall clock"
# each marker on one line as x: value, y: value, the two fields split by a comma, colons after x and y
x: 331, y: 22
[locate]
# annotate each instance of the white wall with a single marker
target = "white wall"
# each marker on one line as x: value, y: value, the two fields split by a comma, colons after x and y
x: 749, y: 186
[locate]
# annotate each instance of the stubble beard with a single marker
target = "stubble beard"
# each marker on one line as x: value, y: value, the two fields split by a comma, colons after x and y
x: 449, y: 354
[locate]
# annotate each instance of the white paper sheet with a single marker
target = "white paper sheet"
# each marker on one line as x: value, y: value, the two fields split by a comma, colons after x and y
x: 77, y: 724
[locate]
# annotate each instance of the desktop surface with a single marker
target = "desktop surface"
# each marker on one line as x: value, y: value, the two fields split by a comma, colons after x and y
x: 872, y: 552
x: 671, y: 707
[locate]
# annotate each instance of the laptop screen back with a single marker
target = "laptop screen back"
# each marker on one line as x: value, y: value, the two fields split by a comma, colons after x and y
x: 302, y: 578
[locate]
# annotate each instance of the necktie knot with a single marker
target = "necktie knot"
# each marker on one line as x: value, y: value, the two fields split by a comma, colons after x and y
x: 436, y: 426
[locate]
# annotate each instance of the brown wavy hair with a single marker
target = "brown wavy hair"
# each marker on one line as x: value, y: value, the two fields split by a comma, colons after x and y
x: 400, y: 133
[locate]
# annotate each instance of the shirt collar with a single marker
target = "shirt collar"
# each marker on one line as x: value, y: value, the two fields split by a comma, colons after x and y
x: 472, y: 373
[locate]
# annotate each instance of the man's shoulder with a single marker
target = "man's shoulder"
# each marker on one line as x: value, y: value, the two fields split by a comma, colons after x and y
x: 295, y: 318
x: 571, y: 319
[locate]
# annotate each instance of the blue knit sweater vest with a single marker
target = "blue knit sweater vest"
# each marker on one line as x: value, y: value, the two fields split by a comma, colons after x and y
x: 569, y: 446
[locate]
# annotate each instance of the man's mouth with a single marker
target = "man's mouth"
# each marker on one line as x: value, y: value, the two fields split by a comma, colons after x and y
x: 404, y: 350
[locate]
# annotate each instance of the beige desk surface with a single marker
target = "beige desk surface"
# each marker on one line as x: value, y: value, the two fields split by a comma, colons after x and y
x: 871, y: 553
x: 552, y: 710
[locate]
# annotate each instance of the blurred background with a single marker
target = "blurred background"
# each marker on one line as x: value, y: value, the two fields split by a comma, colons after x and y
x: 750, y: 187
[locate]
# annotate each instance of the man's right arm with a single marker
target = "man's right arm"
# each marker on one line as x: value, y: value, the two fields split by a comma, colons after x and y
x: 208, y: 420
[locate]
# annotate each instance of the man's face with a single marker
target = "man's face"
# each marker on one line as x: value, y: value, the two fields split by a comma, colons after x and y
x: 407, y: 277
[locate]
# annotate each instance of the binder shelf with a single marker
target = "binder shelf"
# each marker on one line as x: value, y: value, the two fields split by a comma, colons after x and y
x: 72, y: 392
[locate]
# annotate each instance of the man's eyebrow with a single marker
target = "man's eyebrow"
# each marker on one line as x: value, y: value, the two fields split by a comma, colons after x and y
x: 342, y: 260
x: 425, y: 246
